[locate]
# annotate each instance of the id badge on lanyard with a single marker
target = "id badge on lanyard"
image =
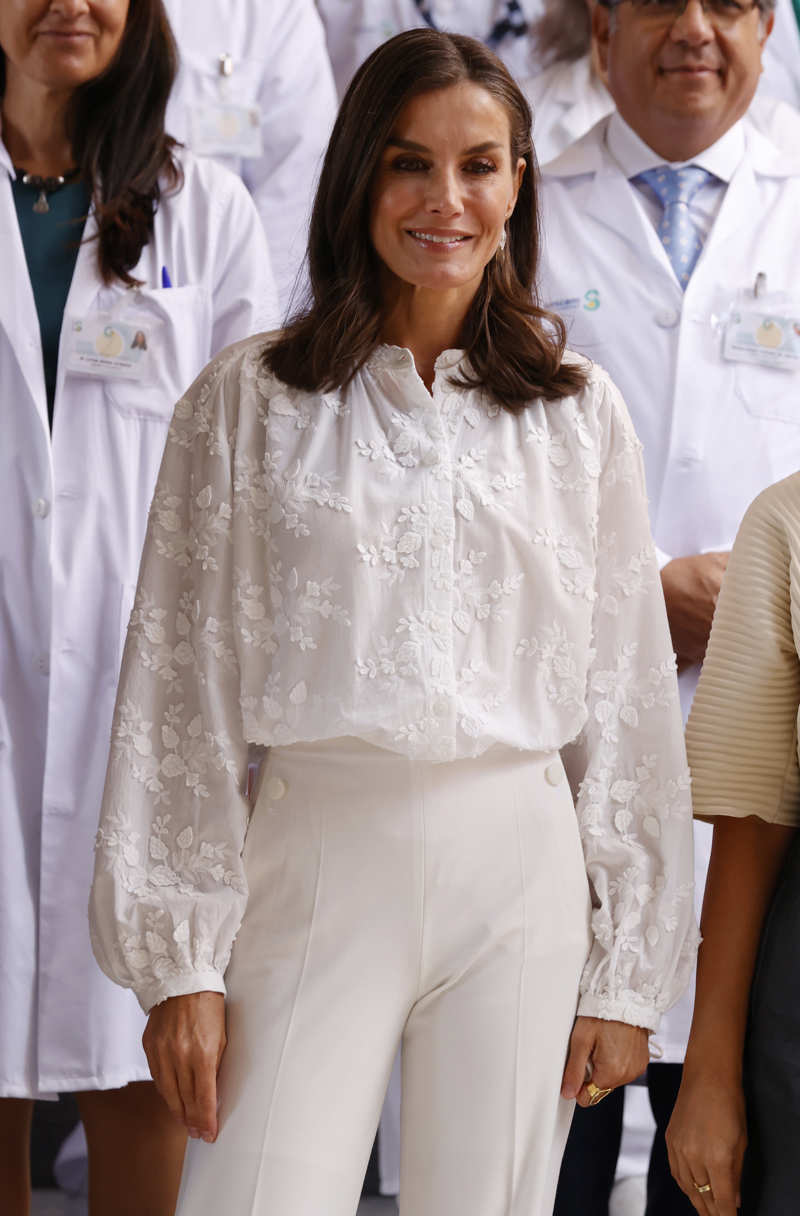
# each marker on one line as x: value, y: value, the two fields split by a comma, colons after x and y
x: 223, y: 126
x: 763, y: 327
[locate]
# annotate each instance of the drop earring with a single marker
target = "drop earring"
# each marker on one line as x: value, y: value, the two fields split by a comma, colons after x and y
x: 502, y: 244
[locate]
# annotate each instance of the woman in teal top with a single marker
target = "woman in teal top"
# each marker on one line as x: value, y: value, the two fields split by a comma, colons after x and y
x: 104, y: 231
x: 51, y: 214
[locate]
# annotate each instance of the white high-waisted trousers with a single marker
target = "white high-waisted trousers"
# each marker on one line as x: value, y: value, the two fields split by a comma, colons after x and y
x: 445, y: 905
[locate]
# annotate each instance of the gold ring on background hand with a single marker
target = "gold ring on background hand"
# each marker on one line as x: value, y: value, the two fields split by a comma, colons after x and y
x: 596, y: 1094
x: 702, y: 1188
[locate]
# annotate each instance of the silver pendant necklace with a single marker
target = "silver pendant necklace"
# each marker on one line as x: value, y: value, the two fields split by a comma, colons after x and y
x: 45, y: 186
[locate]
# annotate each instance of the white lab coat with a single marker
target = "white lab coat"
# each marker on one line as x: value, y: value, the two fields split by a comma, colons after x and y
x: 74, y: 512
x: 356, y: 27
x: 569, y: 98
x: 280, y: 63
x: 715, y: 433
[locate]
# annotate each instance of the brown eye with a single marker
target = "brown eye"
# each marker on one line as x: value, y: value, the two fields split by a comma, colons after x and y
x: 408, y: 164
x: 481, y: 166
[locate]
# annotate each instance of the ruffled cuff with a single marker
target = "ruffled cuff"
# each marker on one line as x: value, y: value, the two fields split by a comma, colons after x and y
x: 179, y: 985
x: 621, y: 1009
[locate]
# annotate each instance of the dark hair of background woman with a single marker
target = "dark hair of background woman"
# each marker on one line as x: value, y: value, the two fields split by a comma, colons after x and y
x: 116, y: 127
x: 515, y: 347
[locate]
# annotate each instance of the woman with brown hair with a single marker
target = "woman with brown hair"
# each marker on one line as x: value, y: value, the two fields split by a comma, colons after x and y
x: 126, y: 266
x: 404, y: 546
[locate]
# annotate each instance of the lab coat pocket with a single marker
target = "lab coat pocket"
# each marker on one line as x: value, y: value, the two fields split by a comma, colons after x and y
x: 768, y: 392
x: 178, y: 320
x: 204, y: 79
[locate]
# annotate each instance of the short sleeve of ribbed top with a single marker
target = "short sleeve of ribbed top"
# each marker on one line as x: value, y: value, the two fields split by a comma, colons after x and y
x: 743, y: 729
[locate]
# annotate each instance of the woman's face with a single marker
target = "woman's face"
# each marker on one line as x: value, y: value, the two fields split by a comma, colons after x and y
x: 444, y: 188
x: 61, y: 43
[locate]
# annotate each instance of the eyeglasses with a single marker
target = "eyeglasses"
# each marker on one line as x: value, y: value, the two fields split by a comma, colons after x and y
x: 722, y: 13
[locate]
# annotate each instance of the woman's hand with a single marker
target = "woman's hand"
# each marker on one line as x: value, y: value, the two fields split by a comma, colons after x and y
x: 706, y: 1140
x: 618, y: 1054
x: 184, y: 1041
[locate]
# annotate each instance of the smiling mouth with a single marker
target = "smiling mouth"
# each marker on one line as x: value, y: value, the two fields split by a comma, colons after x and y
x: 450, y: 240
x: 690, y: 70
x: 65, y: 35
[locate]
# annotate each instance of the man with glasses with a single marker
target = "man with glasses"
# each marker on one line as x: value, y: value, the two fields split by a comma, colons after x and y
x: 672, y: 250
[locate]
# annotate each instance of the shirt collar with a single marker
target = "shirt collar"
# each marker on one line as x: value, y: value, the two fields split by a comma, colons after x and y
x: 634, y: 156
x: 401, y: 357
x: 5, y: 158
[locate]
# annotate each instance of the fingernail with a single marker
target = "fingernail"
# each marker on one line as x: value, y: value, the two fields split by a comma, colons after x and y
x: 209, y: 1139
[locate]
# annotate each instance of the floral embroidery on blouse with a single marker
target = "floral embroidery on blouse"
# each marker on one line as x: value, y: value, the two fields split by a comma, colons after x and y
x: 427, y: 572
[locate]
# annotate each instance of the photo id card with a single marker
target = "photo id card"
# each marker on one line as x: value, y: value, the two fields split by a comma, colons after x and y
x: 771, y: 339
x: 225, y: 129
x: 102, y: 345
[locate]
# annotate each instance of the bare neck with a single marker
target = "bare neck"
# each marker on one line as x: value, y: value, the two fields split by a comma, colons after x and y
x: 34, y: 125
x: 426, y: 322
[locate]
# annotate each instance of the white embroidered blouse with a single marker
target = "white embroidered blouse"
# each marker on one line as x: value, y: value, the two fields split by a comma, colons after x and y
x: 429, y: 573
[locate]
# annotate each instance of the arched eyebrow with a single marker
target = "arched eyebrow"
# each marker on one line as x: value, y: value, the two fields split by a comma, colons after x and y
x: 408, y: 145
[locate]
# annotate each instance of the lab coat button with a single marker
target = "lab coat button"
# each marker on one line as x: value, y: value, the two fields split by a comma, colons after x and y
x: 554, y: 773
x: 276, y: 788
x: 41, y: 508
x: 668, y: 318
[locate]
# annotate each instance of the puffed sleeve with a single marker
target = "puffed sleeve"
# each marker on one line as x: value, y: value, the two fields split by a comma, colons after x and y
x: 169, y: 890
x: 742, y: 732
x: 628, y: 766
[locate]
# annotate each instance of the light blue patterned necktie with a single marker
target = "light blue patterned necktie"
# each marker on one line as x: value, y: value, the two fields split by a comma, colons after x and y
x: 675, y: 189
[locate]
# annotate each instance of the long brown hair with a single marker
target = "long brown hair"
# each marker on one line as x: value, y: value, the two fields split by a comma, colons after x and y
x: 116, y: 127
x: 515, y: 347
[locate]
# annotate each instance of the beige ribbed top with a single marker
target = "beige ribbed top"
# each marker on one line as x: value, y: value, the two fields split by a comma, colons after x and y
x: 743, y: 729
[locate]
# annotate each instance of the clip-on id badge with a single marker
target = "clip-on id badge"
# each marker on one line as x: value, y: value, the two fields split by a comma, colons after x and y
x: 104, y: 345
x: 224, y: 127
x: 763, y: 328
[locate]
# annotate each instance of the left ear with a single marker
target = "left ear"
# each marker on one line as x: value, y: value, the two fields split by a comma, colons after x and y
x: 766, y: 28
x: 518, y: 176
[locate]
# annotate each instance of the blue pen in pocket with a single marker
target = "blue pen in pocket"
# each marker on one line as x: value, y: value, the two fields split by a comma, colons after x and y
x: 166, y: 281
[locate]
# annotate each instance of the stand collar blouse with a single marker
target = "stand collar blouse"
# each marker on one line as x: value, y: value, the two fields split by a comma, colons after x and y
x: 427, y: 572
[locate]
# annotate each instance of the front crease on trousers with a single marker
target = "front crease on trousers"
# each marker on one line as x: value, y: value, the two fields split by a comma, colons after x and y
x: 442, y: 906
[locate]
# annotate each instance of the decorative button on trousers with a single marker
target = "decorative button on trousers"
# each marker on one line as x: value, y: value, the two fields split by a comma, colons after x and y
x: 443, y: 905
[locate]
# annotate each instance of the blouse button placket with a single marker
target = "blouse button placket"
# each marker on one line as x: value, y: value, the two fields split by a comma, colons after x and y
x: 440, y: 580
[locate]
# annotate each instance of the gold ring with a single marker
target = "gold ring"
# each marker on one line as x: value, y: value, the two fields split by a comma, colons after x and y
x: 705, y: 1189
x: 595, y: 1093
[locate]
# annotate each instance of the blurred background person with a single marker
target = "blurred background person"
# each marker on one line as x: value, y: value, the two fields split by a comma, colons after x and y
x: 355, y: 28
x: 255, y: 90
x: 568, y: 95
x: 108, y: 236
x: 565, y: 91
x: 781, y: 77
x: 670, y: 238
x: 742, y: 736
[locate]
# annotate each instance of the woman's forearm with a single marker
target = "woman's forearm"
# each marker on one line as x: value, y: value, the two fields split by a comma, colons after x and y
x: 746, y: 858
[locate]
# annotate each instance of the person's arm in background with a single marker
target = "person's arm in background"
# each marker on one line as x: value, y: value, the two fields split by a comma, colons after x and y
x: 742, y: 747
x: 691, y: 586
x: 298, y: 108
x: 244, y: 295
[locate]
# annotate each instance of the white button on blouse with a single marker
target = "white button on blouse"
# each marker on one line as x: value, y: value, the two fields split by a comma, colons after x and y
x: 429, y: 573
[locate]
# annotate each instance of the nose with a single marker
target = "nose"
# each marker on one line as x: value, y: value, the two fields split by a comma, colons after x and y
x: 693, y: 25
x: 69, y: 8
x: 442, y: 192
